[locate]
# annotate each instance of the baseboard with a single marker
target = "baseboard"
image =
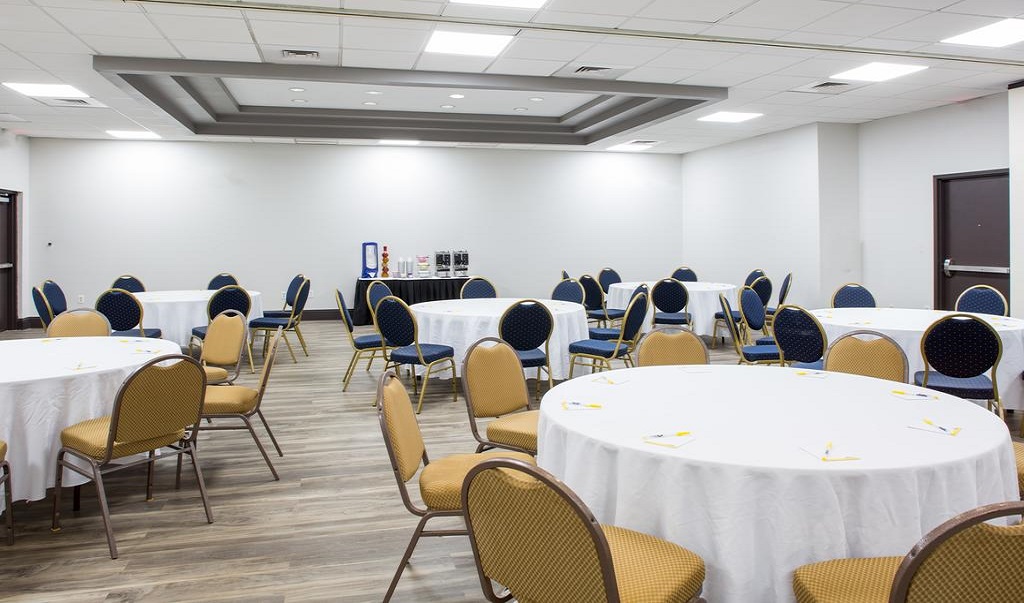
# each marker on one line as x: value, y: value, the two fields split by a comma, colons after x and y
x: 321, y: 315
x: 29, y: 322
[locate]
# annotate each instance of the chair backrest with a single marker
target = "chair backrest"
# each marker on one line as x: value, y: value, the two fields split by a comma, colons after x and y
x: 569, y: 290
x: 225, y: 339
x: 162, y: 397
x: 751, y: 309
x: 798, y: 334
x: 669, y: 295
x: 122, y: 309
x: 784, y: 289
x: 376, y: 291
x: 734, y: 331
x: 608, y: 277
x: 868, y: 353
x: 671, y: 345
x: 478, y: 288
x: 534, y: 536
x: 83, y: 322
x: 526, y: 325
x: 401, y: 431
x: 961, y: 345
x: 299, y: 303
x: 755, y: 274
x: 565, y: 275
x: 853, y: 295
x: 966, y: 559
x: 633, y: 320
x: 493, y: 379
x: 346, y: 316
x: 685, y: 274
x: 128, y: 283
x: 293, y: 289
x: 229, y: 297
x: 593, y: 297
x: 763, y: 287
x: 222, y: 280
x: 42, y: 306
x: 395, y: 322
x: 55, y: 297
x: 982, y: 299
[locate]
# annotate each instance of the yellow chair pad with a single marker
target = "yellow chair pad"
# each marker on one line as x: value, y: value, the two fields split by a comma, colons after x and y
x: 864, y: 580
x: 90, y: 438
x: 1018, y: 453
x: 441, y: 480
x: 519, y: 430
x: 651, y: 570
x: 3, y: 450
x: 229, y: 399
x: 215, y: 374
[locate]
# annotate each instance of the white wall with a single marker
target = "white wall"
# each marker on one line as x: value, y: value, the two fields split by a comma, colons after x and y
x: 175, y: 213
x: 838, y: 206
x: 898, y: 158
x: 1015, y: 129
x: 15, y: 176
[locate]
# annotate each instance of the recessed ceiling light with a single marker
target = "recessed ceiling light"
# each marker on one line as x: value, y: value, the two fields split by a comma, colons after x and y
x: 472, y: 44
x: 297, y: 89
x: 536, y: 99
x: 299, y: 100
x: 399, y: 143
x: 456, y: 96
x: 47, y: 90
x: 370, y: 104
x: 631, y: 147
x: 134, y: 134
x: 999, y: 34
x: 878, y: 72
x: 503, y: 3
x: 731, y: 117
x: 520, y: 109
x: 447, y: 106
x: 374, y: 92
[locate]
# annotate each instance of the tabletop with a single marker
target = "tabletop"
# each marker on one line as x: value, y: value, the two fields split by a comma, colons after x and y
x: 778, y: 467
x: 491, y: 306
x: 702, y: 305
x: 902, y: 319
x: 177, y: 312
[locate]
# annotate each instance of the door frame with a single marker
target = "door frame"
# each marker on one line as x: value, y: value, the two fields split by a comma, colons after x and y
x: 937, y: 181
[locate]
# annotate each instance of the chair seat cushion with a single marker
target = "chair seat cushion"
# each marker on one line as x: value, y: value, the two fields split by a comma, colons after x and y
x: 754, y: 353
x: 864, y: 580
x: 518, y: 429
x: 672, y: 318
x: 595, y: 347
x: 215, y: 374
x: 432, y: 352
x: 229, y: 400
x: 735, y: 316
x: 441, y: 480
x: 90, y: 438
x: 817, y: 365
x: 277, y: 313
x: 532, y: 358
x: 198, y: 332
x: 365, y: 342
x: 648, y: 568
x: 611, y: 314
x: 769, y: 311
x: 973, y: 388
x: 268, y: 323
x: 150, y: 332
x: 764, y: 341
x: 603, y: 334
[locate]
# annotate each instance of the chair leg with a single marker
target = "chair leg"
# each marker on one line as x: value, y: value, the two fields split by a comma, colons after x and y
x: 302, y: 341
x: 351, y: 368
x: 284, y: 336
x: 191, y: 449
x: 248, y: 351
x: 101, y: 493
x: 259, y: 444
x: 572, y: 364
x: 55, y: 520
x: 76, y: 504
x: 455, y: 382
x: 269, y: 432
x: 150, y: 466
x: 423, y: 390
x: 373, y: 356
x: 536, y: 396
x: 177, y: 475
x: 405, y: 558
x: 8, y: 502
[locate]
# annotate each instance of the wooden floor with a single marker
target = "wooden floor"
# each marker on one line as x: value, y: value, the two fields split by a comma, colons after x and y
x: 332, y: 529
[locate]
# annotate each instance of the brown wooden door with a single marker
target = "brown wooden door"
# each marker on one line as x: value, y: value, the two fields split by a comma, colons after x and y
x: 972, y: 234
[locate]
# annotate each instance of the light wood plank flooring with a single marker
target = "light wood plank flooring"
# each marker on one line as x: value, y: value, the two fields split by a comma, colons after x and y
x: 332, y: 529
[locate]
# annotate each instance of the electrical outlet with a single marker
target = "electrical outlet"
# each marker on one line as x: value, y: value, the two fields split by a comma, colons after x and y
x: 81, y: 299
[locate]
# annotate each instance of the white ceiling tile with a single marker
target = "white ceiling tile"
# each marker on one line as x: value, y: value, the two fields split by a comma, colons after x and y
x: 378, y: 59
x: 692, y: 10
x: 538, y: 48
x: 270, y: 15
x: 717, y: 77
x: 810, y: 37
x: 996, y: 80
x: 203, y: 29
x: 28, y: 76
x: 585, y: 19
x: 884, y: 44
x: 757, y: 63
x: 26, y: 18
x: 525, y: 67
x: 398, y: 6
x: 13, y: 60
x: 935, y: 26
x: 602, y: 7
x: 105, y: 23
x: 824, y: 67
x: 783, y: 14
x: 33, y: 41
x: 949, y: 94
x: 777, y: 82
x: 217, y: 51
x: 384, y: 38
x: 657, y: 75
x: 617, y: 54
x: 453, y: 62
x: 988, y: 8
x: 471, y: 11
x: 329, y: 56
x: 862, y: 20
x: 682, y: 27
x: 691, y: 59
x: 127, y: 7
x: 390, y: 23
x: 298, y: 35
x: 793, y: 98
x: 195, y: 11
x: 127, y: 47
x: 736, y: 31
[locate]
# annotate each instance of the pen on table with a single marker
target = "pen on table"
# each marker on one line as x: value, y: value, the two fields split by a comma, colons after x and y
x: 900, y: 392
x: 676, y: 434
x: 828, y: 449
x: 929, y: 422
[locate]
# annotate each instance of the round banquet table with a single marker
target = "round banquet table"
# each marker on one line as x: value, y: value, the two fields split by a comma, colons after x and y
x: 462, y: 322
x: 749, y: 490
x: 907, y: 326
x: 49, y: 384
x: 702, y: 306
x: 177, y: 312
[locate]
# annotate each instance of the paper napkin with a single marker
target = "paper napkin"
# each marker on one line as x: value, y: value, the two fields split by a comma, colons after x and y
x: 827, y: 452
x: 670, y: 440
x: 566, y: 405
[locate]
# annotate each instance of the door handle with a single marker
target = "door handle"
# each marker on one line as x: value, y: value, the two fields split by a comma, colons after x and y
x: 6, y: 265
x: 948, y: 268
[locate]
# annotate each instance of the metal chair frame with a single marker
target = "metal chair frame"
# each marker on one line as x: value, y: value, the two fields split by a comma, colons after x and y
x: 1006, y: 306
x: 737, y: 338
x: 817, y: 324
x: 471, y: 282
x: 547, y: 340
x: 601, y: 363
x: 877, y: 335
x: 357, y: 354
x: 294, y: 318
x: 995, y: 400
x: 483, y: 442
x: 210, y: 315
x: 126, y: 282
x: 670, y: 330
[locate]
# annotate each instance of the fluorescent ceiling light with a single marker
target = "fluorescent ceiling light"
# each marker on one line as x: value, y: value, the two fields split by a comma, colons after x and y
x: 399, y: 143
x: 134, y: 134
x: 503, y: 3
x: 999, y: 34
x: 472, y: 44
x: 878, y: 72
x: 47, y: 90
x: 633, y: 146
x: 730, y: 117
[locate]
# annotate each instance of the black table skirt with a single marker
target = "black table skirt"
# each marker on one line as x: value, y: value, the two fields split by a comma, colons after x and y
x: 412, y: 291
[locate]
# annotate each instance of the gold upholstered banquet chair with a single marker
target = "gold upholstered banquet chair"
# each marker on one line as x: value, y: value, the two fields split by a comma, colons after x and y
x: 5, y: 479
x: 495, y: 387
x: 221, y: 354
x: 157, y: 408
x: 671, y: 346
x: 81, y: 322
x: 1018, y: 456
x: 440, y: 480
x: 964, y: 560
x: 536, y: 538
x: 867, y: 353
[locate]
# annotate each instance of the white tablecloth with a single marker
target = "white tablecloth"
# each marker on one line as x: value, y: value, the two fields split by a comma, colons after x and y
x: 177, y: 312
x: 461, y: 322
x: 907, y: 326
x: 49, y: 384
x: 744, y: 494
x: 703, y: 302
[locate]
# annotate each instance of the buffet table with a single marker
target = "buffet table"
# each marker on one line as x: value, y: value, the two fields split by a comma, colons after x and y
x: 410, y: 290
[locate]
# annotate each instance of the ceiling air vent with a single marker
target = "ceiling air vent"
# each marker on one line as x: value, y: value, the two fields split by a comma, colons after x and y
x: 827, y: 87
x: 602, y: 72
x: 300, y: 55
x: 70, y: 102
x: 590, y: 69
